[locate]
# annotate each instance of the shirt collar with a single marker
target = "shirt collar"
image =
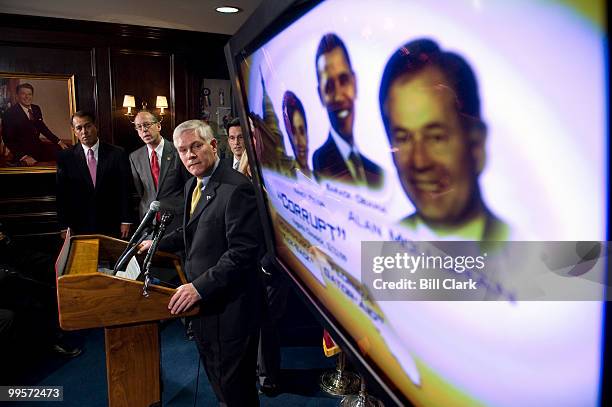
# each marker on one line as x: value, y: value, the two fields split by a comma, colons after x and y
x: 158, y: 150
x: 25, y: 109
x: 472, y: 230
x: 206, y: 179
x: 94, y: 148
x: 344, y: 147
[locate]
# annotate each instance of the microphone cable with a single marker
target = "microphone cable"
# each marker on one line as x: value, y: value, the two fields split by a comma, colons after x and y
x: 195, y: 396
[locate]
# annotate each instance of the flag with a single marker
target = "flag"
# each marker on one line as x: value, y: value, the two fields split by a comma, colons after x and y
x: 329, y: 346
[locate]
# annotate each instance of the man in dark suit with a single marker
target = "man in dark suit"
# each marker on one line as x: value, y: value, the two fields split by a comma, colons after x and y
x: 236, y: 144
x: 338, y: 158
x: 221, y: 235
x: 23, y: 123
x: 93, y: 183
x: 157, y: 171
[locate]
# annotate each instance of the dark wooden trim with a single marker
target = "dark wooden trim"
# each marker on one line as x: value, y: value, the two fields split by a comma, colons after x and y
x: 28, y: 29
x: 90, y: 51
x: 38, y: 199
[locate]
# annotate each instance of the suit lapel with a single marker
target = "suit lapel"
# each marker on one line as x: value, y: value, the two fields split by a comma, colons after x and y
x: 102, y: 164
x: 36, y: 112
x: 335, y: 162
x: 166, y: 161
x: 208, y: 195
x: 23, y: 114
x: 145, y: 166
x: 83, y: 170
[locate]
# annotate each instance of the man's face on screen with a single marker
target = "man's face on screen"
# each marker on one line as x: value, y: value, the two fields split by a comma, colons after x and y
x: 435, y: 161
x: 337, y: 91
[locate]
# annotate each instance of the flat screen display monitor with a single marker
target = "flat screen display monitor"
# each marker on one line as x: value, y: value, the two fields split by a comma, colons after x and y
x: 409, y: 121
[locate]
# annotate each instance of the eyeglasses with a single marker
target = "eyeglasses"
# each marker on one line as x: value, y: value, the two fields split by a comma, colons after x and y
x: 144, y: 126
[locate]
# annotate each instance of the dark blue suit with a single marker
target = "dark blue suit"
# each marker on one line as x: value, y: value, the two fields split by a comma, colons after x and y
x: 21, y: 134
x: 328, y: 163
x: 222, y: 246
x: 88, y: 209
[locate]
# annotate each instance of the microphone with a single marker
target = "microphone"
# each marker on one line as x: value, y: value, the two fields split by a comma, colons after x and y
x: 166, y: 218
x: 129, y: 252
x: 146, y: 220
x: 145, y: 227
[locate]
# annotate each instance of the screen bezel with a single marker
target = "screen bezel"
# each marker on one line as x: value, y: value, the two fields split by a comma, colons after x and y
x: 271, y: 18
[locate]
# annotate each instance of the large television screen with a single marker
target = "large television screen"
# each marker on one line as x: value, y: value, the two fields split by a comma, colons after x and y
x: 410, y: 121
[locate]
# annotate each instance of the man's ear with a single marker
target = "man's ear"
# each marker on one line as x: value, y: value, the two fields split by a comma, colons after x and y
x: 477, y: 137
x: 213, y: 144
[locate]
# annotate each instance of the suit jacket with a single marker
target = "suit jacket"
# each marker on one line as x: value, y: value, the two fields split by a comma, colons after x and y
x: 21, y: 133
x: 328, y: 163
x: 222, y: 241
x: 171, y: 184
x: 88, y: 209
x: 228, y: 161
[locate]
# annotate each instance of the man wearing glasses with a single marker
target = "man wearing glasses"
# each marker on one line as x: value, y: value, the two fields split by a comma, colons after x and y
x: 157, y: 171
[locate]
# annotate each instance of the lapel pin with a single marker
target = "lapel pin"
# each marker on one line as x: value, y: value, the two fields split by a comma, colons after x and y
x: 208, y: 197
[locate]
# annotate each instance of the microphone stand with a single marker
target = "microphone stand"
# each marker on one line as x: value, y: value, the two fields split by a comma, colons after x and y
x: 139, y: 235
x: 166, y: 218
x: 129, y: 251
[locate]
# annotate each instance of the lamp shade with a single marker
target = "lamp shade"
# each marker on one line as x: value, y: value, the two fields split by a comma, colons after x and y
x: 161, y: 102
x: 129, y: 101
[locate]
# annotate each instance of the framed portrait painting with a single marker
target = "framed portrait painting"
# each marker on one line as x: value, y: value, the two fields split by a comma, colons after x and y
x: 35, y: 111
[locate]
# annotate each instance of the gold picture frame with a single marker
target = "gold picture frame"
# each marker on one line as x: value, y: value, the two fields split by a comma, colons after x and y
x: 54, y: 97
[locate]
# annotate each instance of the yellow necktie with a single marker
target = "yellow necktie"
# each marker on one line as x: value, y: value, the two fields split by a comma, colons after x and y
x: 195, y: 196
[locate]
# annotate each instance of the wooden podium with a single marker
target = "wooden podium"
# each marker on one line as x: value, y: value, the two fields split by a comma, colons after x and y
x: 88, y: 298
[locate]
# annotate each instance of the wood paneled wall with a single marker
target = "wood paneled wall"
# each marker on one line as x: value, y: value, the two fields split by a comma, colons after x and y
x: 107, y: 61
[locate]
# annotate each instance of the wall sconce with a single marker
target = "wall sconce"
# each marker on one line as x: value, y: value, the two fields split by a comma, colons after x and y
x: 129, y: 101
x: 161, y: 103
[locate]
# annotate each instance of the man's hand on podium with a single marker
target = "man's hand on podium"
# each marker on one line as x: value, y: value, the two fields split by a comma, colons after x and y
x: 183, y: 299
x: 144, y: 246
x: 125, y: 230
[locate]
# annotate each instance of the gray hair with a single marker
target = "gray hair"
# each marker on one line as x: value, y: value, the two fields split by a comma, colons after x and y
x: 153, y: 115
x: 202, y: 130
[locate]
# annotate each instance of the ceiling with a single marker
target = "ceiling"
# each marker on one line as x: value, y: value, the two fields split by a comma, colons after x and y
x: 192, y: 15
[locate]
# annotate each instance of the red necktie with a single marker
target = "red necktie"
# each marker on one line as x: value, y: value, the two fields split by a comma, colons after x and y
x: 30, y: 113
x: 154, y: 168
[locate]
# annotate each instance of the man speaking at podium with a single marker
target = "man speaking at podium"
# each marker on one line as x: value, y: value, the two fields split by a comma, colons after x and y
x: 220, y: 236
